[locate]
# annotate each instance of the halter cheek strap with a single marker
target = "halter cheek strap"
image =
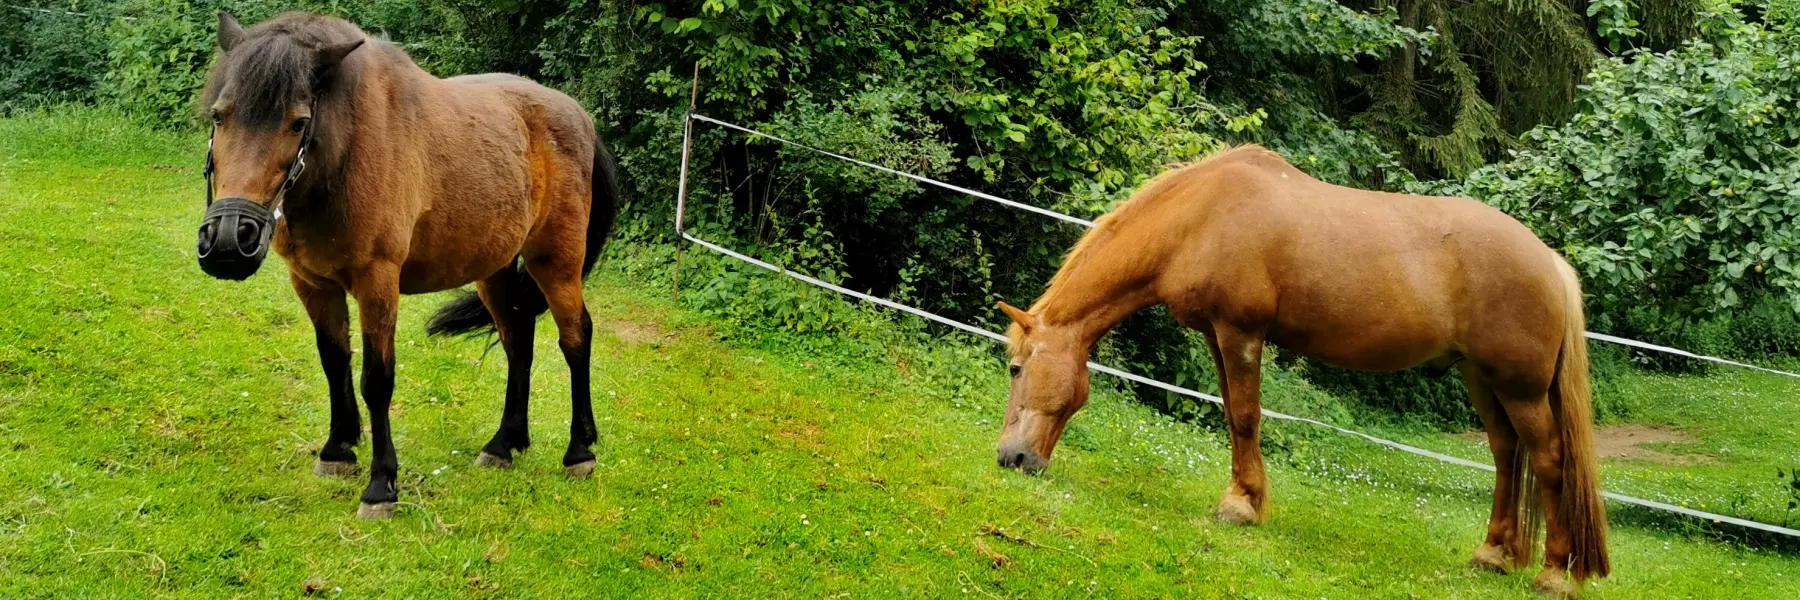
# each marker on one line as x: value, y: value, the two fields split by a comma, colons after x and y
x: 293, y: 172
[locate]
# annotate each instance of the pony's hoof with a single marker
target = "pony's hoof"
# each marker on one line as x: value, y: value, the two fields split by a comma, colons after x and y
x: 1553, y: 583
x: 1236, y: 510
x: 579, y: 470
x: 1491, y: 558
x: 380, y: 511
x: 492, y: 462
x: 332, y: 468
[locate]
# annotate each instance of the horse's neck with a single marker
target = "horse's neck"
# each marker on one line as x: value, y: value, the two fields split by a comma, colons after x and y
x: 1112, y: 282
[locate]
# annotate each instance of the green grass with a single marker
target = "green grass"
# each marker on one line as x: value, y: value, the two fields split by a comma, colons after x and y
x: 156, y: 429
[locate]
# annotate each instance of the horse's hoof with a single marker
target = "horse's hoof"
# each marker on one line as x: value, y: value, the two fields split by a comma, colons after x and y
x: 332, y: 468
x: 1236, y: 510
x: 379, y: 511
x: 579, y: 470
x: 1491, y: 558
x: 1553, y: 583
x: 492, y: 462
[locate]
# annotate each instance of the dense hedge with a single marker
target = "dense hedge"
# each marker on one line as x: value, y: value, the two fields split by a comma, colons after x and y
x: 1069, y: 104
x: 1676, y: 188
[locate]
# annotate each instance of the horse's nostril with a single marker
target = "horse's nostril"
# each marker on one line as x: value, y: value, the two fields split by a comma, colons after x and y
x: 206, y: 238
x: 1019, y: 459
x: 247, y: 238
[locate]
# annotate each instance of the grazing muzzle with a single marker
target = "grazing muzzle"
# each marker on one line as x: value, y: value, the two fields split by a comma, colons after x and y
x: 234, y: 238
x: 1021, y: 456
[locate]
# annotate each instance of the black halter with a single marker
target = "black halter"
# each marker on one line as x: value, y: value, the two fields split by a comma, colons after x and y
x: 293, y: 172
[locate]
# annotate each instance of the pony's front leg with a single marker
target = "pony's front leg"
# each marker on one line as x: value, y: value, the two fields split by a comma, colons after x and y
x: 377, y: 299
x: 1246, y: 500
x: 331, y: 329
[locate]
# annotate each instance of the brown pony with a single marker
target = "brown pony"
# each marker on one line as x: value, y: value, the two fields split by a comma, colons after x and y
x: 373, y: 179
x: 1247, y: 249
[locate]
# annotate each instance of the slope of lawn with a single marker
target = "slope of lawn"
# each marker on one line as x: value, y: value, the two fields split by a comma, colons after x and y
x: 156, y: 431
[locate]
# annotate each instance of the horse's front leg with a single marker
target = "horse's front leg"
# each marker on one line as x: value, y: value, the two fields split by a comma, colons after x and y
x: 331, y: 329
x: 1246, y: 500
x: 377, y: 293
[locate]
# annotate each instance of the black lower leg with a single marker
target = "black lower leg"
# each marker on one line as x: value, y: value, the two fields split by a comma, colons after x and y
x: 515, y: 422
x: 378, y: 394
x: 346, y: 423
x: 582, y: 433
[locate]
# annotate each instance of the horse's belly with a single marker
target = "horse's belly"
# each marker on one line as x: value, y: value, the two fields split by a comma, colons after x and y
x: 1366, y: 350
x: 430, y: 268
x: 425, y: 278
x: 1381, y: 336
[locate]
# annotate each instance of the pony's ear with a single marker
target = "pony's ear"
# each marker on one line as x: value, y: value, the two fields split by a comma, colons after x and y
x: 1025, y: 320
x: 230, y: 32
x: 330, y: 56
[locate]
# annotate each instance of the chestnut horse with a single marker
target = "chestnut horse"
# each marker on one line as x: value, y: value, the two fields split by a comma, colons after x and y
x: 1247, y: 249
x: 373, y: 179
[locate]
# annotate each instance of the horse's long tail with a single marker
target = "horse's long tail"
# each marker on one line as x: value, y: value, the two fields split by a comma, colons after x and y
x: 466, y: 314
x: 1582, y: 506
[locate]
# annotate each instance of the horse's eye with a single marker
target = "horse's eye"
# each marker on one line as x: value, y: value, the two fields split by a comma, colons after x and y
x: 1015, y: 370
x: 217, y: 119
x: 299, y: 125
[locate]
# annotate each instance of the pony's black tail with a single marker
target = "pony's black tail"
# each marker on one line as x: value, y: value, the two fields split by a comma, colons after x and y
x: 466, y: 315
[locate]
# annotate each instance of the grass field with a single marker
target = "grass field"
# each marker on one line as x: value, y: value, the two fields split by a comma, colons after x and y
x: 156, y: 428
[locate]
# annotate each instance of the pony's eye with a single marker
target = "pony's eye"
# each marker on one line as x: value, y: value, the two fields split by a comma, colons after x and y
x: 1015, y: 370
x: 217, y: 119
x: 299, y: 125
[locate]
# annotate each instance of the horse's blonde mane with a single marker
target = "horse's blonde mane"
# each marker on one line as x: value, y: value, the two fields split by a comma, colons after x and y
x: 1106, y: 226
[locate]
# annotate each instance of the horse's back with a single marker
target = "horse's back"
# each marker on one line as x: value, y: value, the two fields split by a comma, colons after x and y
x: 505, y: 156
x: 1351, y: 271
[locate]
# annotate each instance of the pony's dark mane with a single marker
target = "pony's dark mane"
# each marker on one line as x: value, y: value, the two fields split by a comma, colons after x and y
x: 274, y: 64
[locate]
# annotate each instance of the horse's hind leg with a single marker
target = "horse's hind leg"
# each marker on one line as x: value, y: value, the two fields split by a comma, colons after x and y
x: 331, y: 329
x: 1537, y: 427
x: 560, y: 280
x: 1506, y: 545
x: 515, y: 323
x: 1247, y: 498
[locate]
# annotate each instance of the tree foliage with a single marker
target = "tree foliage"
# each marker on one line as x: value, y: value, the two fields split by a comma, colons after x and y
x: 1677, y: 180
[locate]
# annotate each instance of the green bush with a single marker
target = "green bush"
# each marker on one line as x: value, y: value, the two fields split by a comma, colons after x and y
x: 1675, y: 190
x: 50, y: 53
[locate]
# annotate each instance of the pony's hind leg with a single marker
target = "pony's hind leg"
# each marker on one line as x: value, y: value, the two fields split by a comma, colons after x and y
x: 1507, y: 545
x: 331, y: 330
x: 1246, y: 500
x: 1536, y: 423
x: 560, y: 281
x: 515, y: 308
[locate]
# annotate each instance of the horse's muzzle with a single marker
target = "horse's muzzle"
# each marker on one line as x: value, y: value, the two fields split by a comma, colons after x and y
x: 1022, y: 457
x: 234, y: 238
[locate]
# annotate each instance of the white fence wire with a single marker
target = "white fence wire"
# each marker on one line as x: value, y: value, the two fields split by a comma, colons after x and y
x: 680, y: 229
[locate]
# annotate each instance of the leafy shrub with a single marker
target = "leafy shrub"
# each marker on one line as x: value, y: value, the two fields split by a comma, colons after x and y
x: 157, y: 59
x: 1676, y: 182
x: 49, y: 54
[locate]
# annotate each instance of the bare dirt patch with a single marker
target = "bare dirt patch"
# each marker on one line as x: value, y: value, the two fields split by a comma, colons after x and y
x: 1628, y: 442
x: 638, y: 333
